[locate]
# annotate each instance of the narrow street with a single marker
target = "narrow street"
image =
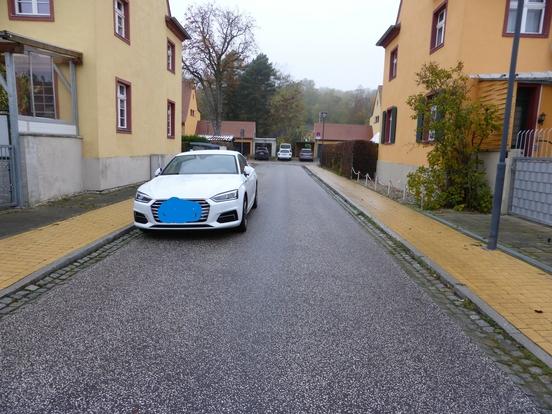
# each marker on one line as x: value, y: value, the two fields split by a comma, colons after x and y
x: 303, y: 313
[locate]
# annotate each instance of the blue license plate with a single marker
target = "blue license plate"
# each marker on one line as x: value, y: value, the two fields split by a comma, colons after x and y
x: 176, y: 210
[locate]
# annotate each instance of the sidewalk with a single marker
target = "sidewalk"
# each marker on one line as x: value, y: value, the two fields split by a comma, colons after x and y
x: 515, y: 290
x: 54, y: 235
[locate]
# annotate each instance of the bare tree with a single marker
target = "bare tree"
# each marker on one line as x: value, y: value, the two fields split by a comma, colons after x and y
x: 221, y: 40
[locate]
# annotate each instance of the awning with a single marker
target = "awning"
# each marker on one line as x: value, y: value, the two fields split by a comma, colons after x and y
x: 537, y: 77
x: 14, y: 43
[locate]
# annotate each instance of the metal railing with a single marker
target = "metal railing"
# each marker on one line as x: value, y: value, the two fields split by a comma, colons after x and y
x: 534, y: 143
x: 7, y: 177
x: 397, y: 191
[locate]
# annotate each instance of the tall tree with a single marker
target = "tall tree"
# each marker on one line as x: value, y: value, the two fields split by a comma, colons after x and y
x: 257, y: 86
x: 287, y: 112
x: 221, y: 39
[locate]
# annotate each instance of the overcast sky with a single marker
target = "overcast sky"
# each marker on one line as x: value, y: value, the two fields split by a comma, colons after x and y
x: 330, y: 42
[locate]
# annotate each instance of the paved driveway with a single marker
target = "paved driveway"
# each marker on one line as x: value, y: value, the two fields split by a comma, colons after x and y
x: 303, y: 313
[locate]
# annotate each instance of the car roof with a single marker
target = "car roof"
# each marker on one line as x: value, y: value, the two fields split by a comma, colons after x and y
x: 209, y: 152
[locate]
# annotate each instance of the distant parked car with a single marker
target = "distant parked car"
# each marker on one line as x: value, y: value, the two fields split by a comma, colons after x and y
x: 284, y: 155
x: 306, y: 155
x: 286, y: 147
x: 262, y: 154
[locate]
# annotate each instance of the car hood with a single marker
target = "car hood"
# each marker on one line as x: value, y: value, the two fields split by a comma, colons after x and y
x: 191, y: 186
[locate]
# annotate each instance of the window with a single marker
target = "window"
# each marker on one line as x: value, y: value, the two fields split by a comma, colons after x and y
x: 170, y: 56
x: 123, y: 106
x: 535, y: 20
x: 170, y: 119
x: 121, y: 19
x: 393, y: 63
x: 438, y: 27
x: 31, y: 10
x: 35, y: 85
x: 389, y: 125
x: 429, y: 132
x: 377, y: 119
x: 192, y: 112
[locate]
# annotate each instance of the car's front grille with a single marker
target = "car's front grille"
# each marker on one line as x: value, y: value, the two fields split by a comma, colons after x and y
x: 205, y: 207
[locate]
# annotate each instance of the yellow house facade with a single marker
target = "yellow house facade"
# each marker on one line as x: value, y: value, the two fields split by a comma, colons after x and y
x: 478, y: 33
x: 99, y: 92
x: 375, y: 119
x: 190, y: 112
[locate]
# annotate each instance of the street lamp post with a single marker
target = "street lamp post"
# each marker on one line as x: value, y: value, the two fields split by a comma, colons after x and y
x: 501, y: 167
x: 322, y: 116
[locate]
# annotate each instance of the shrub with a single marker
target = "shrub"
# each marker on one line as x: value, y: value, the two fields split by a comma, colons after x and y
x: 454, y: 177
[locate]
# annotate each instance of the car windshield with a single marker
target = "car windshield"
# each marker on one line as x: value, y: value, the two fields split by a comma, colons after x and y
x: 284, y: 150
x: 202, y: 164
x: 306, y: 151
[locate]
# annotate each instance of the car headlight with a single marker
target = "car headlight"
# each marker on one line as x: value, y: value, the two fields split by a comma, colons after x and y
x: 227, y: 196
x: 142, y: 198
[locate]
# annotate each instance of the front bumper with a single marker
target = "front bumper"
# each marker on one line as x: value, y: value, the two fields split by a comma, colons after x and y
x: 218, y: 216
x: 284, y: 157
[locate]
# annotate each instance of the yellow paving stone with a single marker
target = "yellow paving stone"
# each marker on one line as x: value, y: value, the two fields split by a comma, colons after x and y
x: 25, y: 253
x: 510, y: 286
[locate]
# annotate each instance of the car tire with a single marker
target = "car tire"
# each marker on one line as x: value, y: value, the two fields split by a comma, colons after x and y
x: 255, y: 204
x: 242, y: 228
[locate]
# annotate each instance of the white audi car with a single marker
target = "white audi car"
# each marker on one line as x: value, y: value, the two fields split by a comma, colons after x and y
x: 211, y: 189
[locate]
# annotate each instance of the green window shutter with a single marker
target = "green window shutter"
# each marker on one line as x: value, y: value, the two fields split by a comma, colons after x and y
x: 420, y: 127
x: 393, y: 128
x: 383, y: 127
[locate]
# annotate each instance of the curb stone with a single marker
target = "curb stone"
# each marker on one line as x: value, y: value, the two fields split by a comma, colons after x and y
x: 63, y: 262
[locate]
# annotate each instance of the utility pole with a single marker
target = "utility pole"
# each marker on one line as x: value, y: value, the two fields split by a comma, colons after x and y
x: 501, y: 167
x: 322, y: 116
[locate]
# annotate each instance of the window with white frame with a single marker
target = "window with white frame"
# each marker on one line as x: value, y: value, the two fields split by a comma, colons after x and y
x: 434, y: 117
x: 439, y: 22
x: 170, y: 119
x: 120, y: 12
x: 32, y: 7
x: 532, y: 20
x: 170, y: 56
x: 123, y: 106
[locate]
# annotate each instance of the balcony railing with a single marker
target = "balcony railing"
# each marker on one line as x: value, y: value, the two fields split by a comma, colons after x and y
x: 533, y: 143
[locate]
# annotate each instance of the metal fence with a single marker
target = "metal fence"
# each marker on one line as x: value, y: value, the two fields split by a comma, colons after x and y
x: 7, y: 178
x: 534, y: 143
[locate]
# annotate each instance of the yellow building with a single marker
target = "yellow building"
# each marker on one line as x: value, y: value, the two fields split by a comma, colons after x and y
x: 478, y: 33
x: 98, y: 92
x: 375, y: 119
x: 190, y: 113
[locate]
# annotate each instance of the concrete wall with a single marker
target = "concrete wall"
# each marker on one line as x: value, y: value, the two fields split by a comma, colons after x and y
x: 51, y: 167
x: 105, y: 173
x: 394, y: 172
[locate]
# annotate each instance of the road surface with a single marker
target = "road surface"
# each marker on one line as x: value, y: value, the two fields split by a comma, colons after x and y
x: 303, y: 313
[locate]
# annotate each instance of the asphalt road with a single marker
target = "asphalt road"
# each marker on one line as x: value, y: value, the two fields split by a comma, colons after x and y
x: 303, y: 313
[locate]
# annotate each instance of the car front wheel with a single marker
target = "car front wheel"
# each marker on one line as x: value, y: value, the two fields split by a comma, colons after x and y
x: 242, y: 228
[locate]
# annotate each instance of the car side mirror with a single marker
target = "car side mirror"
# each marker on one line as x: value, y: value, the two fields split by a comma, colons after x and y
x: 247, y: 170
x: 158, y: 171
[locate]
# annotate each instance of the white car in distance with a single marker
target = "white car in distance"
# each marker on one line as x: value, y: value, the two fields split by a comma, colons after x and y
x: 209, y: 189
x: 284, y: 154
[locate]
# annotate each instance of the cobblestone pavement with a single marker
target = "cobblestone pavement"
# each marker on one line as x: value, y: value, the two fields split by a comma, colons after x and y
x: 319, y: 319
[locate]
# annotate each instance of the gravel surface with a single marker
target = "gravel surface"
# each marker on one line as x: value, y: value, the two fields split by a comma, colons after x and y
x: 303, y: 313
